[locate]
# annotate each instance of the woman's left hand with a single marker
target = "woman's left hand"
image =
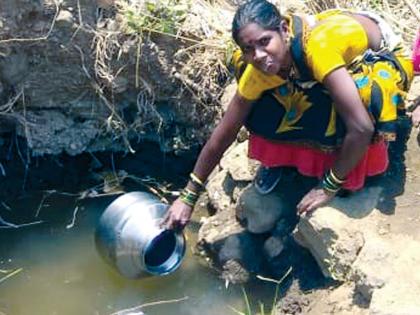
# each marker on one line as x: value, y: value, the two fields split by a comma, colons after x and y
x: 317, y: 197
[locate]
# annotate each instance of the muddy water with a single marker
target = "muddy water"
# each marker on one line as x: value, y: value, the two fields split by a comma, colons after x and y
x: 63, y: 274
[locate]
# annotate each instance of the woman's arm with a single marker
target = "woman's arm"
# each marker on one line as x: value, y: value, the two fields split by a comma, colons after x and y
x: 221, y: 138
x: 359, y: 131
x: 359, y: 126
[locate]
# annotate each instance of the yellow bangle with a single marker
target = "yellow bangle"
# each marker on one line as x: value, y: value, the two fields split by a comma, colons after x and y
x: 191, y: 192
x: 335, y: 178
x: 330, y: 191
x: 194, y: 178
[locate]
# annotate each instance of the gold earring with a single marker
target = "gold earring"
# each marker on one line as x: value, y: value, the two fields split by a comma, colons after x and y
x: 287, y: 40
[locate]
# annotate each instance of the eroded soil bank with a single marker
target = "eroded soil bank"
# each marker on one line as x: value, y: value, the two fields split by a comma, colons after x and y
x: 81, y: 89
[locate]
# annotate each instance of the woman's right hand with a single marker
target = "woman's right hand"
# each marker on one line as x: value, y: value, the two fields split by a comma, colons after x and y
x: 178, y: 216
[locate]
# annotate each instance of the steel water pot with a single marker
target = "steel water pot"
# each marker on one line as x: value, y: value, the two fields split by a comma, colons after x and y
x: 130, y: 239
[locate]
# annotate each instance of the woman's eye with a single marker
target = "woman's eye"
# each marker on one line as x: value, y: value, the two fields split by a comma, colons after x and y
x: 247, y: 49
x: 264, y: 41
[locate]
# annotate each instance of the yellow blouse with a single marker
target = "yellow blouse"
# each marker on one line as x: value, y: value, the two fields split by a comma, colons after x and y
x: 254, y: 82
x: 335, y: 42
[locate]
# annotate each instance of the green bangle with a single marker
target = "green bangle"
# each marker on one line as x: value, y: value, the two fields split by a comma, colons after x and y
x: 189, y: 197
x: 187, y: 201
x: 329, y: 184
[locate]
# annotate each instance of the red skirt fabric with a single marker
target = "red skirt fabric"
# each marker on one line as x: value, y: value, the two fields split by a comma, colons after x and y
x: 314, y: 163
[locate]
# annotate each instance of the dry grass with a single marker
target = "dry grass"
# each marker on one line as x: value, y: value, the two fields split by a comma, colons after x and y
x: 202, y: 48
x: 203, y: 43
x: 403, y: 16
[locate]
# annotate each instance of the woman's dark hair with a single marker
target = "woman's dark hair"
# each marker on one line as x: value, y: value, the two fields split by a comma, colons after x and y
x: 260, y: 12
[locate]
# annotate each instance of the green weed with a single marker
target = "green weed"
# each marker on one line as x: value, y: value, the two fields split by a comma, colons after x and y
x: 162, y: 16
x: 262, y: 311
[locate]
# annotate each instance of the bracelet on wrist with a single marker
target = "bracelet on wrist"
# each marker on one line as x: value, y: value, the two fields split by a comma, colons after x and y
x: 189, y: 197
x: 197, y: 181
x: 331, y: 184
x: 335, y: 177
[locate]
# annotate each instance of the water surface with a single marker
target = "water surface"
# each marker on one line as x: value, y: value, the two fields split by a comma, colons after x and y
x: 63, y: 274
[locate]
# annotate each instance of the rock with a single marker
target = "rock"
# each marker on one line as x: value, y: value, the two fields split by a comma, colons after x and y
x: 235, y: 251
x: 65, y: 19
x: 380, y: 265
x: 273, y: 246
x: 333, y: 240
x: 245, y: 248
x: 284, y: 226
x: 259, y: 213
x: 220, y: 188
x: 243, y: 135
x: 234, y: 272
x: 216, y: 229
x: 367, y: 274
x: 59, y: 135
x: 237, y: 163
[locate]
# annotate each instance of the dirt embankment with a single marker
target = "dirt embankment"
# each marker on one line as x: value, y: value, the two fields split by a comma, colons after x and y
x: 83, y: 75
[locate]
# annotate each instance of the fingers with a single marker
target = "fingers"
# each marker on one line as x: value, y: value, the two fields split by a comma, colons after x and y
x: 312, y: 200
x: 177, y: 216
x: 165, y: 220
x: 304, y: 206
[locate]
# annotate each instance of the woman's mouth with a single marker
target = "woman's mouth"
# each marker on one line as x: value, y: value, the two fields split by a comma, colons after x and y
x: 268, y: 67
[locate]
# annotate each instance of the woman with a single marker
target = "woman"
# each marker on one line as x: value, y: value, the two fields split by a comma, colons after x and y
x: 295, y: 75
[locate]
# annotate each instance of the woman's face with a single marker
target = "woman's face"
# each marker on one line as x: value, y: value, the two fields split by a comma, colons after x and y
x: 265, y: 49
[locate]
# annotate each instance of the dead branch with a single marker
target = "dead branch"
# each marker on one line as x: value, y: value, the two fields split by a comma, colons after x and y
x: 41, y: 204
x: 15, y: 272
x: 140, y: 307
x: 69, y: 226
x: 8, y: 225
x: 8, y: 107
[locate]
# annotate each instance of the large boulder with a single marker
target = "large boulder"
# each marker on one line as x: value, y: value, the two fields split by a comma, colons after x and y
x: 366, y: 253
x: 232, y: 249
x: 333, y: 240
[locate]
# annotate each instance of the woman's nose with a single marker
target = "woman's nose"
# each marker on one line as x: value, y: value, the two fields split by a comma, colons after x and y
x: 259, y: 54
